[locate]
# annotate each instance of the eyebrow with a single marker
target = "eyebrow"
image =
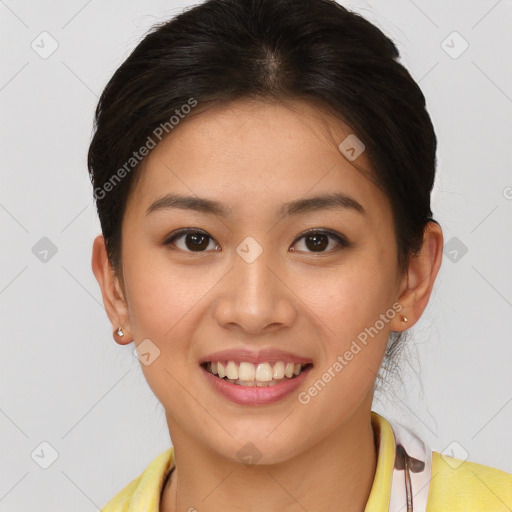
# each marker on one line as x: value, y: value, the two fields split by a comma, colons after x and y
x: 299, y: 206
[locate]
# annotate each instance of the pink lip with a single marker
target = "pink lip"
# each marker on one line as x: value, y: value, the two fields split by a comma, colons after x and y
x: 253, y: 395
x: 261, y: 356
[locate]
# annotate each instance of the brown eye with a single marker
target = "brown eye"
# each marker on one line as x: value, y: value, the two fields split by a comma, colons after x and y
x: 318, y: 241
x: 194, y: 240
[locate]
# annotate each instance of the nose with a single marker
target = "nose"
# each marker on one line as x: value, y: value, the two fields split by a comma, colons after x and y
x: 256, y: 297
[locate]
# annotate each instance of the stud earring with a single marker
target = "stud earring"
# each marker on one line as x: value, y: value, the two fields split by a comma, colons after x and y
x: 120, y: 332
x: 404, y: 319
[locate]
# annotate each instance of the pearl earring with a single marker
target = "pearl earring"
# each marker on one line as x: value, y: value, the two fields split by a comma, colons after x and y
x: 120, y: 332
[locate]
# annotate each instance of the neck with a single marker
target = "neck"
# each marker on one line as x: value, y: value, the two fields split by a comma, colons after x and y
x: 336, y: 474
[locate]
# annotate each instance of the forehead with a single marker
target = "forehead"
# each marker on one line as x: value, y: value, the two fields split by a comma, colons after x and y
x: 254, y: 153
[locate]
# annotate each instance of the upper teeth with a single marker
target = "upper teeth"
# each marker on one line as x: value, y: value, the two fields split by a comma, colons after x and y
x: 263, y: 372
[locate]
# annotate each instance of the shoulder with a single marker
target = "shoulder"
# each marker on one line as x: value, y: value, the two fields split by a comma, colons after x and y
x: 458, y: 485
x: 145, y: 489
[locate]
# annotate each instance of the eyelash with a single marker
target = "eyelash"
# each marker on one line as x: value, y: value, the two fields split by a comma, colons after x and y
x: 342, y: 241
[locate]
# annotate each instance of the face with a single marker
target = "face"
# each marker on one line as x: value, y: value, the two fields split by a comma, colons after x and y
x: 255, y: 276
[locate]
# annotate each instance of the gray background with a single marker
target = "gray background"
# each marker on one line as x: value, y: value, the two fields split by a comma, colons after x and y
x: 63, y: 379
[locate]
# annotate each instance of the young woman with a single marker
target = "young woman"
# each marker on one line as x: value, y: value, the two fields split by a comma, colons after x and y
x: 262, y: 172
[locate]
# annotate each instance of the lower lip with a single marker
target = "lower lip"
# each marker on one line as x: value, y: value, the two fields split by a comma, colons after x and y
x: 254, y: 395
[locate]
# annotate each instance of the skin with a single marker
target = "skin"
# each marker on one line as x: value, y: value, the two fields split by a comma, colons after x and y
x: 254, y: 156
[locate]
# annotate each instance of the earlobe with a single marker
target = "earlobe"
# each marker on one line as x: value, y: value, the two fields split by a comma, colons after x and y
x: 400, y: 322
x: 120, y: 337
x: 111, y: 291
x: 420, y: 278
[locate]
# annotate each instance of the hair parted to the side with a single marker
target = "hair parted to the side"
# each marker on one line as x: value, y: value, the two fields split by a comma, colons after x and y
x: 313, y: 50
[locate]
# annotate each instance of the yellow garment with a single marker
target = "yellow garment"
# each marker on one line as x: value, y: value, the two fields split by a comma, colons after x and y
x: 454, y: 487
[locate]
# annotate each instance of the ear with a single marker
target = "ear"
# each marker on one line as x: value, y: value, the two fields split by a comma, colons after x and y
x: 111, y: 291
x: 417, y: 283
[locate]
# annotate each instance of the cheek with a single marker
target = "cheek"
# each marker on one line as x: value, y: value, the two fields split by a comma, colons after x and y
x: 163, y: 304
x: 349, y: 298
x: 161, y: 294
x: 349, y: 302
x: 348, y: 308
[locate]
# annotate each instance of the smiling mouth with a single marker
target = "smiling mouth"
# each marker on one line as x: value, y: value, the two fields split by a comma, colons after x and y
x: 255, y: 375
